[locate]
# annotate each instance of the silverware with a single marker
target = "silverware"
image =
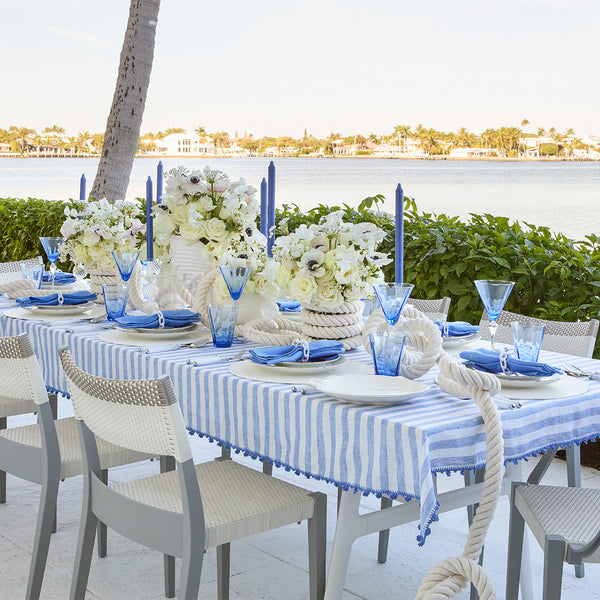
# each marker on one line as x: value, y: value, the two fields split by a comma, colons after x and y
x: 237, y: 356
x: 502, y: 402
x: 579, y: 372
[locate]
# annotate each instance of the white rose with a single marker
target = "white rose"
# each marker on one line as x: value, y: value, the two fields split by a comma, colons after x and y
x: 191, y: 231
x: 303, y: 288
x: 216, y: 229
x: 163, y: 224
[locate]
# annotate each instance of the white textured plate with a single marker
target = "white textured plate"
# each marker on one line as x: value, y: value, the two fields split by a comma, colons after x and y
x: 459, y: 340
x: 158, y: 333
x: 371, y: 389
x: 47, y: 285
x: 526, y: 381
x: 309, y: 367
x: 65, y: 309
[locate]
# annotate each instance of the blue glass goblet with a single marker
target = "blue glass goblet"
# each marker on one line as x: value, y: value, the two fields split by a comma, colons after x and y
x: 392, y: 298
x: 493, y: 294
x: 235, y: 278
x: 52, y: 249
x: 125, y: 262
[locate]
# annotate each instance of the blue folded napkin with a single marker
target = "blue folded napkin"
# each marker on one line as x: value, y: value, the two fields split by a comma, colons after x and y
x: 486, y: 360
x: 319, y: 349
x: 458, y: 328
x: 289, y: 305
x: 172, y: 319
x: 69, y: 299
x: 59, y: 277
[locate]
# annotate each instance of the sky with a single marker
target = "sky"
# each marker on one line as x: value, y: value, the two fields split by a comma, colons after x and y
x: 278, y: 67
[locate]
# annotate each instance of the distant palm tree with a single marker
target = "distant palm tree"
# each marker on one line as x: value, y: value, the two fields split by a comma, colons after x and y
x: 402, y: 132
x: 125, y: 117
x: 524, y: 123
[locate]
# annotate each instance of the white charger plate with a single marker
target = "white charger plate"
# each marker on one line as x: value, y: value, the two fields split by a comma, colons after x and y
x: 308, y: 367
x: 65, y: 309
x: 460, y: 340
x: 371, y: 389
x: 157, y: 333
x: 527, y: 381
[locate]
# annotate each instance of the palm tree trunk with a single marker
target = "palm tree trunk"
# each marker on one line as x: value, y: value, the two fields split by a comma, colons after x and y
x: 125, y: 118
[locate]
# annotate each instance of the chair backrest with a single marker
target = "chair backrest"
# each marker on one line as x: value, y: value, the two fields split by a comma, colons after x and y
x: 22, y: 386
x: 9, y: 271
x: 140, y: 415
x: 576, y: 338
x: 434, y: 309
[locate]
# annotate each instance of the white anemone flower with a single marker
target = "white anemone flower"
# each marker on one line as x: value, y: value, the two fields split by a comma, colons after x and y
x: 311, y: 261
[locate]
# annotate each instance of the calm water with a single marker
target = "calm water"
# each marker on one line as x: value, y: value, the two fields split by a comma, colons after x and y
x: 564, y: 196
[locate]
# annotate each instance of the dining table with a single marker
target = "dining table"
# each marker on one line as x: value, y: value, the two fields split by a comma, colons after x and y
x: 278, y: 415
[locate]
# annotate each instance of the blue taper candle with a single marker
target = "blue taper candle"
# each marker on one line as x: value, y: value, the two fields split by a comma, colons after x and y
x: 263, y: 207
x: 149, y: 224
x: 82, y: 187
x: 159, y: 182
x: 399, y: 238
x: 271, y: 208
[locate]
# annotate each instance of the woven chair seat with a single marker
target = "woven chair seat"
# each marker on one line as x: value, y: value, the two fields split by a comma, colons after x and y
x: 70, y: 447
x: 433, y: 309
x: 9, y: 407
x: 237, y: 501
x: 572, y: 513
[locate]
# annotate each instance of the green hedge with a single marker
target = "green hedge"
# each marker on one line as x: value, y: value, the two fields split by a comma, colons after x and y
x: 555, y: 277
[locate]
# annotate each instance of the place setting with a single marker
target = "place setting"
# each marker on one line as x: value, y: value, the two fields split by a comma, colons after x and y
x: 521, y: 376
x: 59, y: 306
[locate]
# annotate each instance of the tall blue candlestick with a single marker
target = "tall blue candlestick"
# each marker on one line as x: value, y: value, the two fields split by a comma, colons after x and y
x: 271, y: 208
x: 399, y: 237
x: 263, y: 208
x: 82, y: 187
x: 159, y: 182
x: 149, y: 224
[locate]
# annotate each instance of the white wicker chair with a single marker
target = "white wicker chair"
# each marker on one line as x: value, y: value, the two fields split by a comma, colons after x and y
x: 43, y: 453
x: 183, y: 512
x: 576, y: 338
x: 565, y: 522
x: 434, y: 309
x: 11, y: 271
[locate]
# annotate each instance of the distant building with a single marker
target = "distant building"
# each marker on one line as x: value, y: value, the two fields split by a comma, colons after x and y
x: 473, y: 152
x: 185, y: 144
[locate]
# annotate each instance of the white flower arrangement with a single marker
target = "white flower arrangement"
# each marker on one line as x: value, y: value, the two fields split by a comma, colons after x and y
x: 330, y: 263
x: 206, y: 206
x: 93, y: 229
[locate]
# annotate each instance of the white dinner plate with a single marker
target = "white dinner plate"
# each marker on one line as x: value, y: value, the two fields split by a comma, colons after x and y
x: 47, y: 285
x: 309, y: 367
x: 65, y: 309
x: 459, y: 340
x: 527, y: 381
x: 370, y: 389
x: 158, y: 333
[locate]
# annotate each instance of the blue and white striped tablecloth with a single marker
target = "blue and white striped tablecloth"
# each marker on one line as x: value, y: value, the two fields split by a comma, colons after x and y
x: 392, y: 450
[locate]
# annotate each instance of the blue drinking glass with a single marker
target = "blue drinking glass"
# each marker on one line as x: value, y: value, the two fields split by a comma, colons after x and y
x: 392, y: 298
x: 52, y: 249
x: 493, y: 294
x: 222, y: 319
x: 386, y: 349
x: 235, y: 279
x: 125, y: 262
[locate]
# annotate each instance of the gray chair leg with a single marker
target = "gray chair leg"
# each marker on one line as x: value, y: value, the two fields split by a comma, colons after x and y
x: 470, y: 479
x: 39, y: 555
x: 384, y: 535
x: 53, y: 400
x: 167, y: 463
x: 191, y: 568
x: 554, y: 552
x: 317, y: 542
x: 267, y: 467
x: 223, y: 571
x: 225, y: 452
x: 516, y: 529
x: 574, y: 480
x: 102, y: 532
x: 83, y: 555
x: 2, y: 473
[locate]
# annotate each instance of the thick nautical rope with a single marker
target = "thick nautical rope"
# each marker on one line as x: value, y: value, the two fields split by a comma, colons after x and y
x: 450, y: 576
x: 199, y: 301
x: 20, y: 288
x: 136, y: 296
x: 275, y: 332
x: 423, y: 344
